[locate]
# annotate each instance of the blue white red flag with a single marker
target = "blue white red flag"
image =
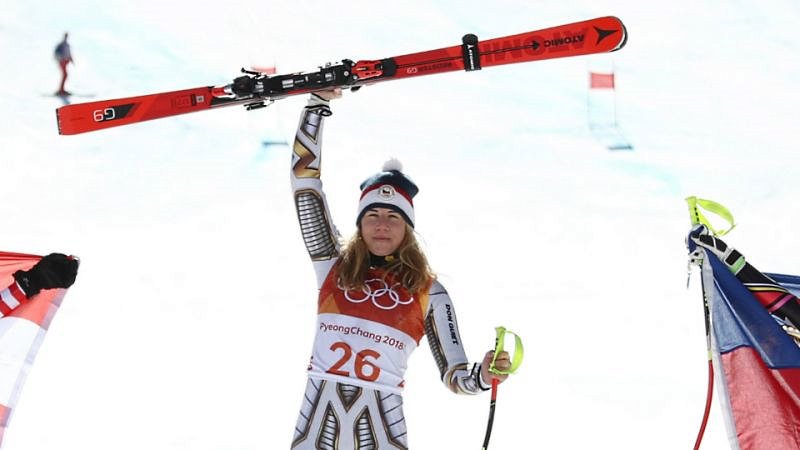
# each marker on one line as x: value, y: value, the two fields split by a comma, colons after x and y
x: 757, y: 364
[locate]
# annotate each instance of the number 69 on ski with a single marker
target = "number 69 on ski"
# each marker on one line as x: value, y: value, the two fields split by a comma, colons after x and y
x: 256, y: 90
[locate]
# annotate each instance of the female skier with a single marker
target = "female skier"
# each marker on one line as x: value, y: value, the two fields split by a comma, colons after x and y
x: 377, y: 298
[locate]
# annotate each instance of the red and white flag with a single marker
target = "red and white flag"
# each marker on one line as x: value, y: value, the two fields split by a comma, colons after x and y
x: 22, y: 330
x: 601, y: 80
x: 266, y: 70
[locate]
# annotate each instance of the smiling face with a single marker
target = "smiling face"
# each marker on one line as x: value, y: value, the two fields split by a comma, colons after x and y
x: 383, y: 230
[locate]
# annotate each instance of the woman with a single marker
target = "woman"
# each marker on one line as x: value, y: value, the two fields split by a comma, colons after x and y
x: 377, y: 298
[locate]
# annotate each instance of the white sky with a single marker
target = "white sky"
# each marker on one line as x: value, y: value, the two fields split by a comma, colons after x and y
x: 191, y: 321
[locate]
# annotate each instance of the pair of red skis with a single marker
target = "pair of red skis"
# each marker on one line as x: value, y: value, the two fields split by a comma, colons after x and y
x: 256, y: 90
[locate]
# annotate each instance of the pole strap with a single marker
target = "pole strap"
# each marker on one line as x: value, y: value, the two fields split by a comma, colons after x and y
x: 499, y: 346
x: 697, y: 217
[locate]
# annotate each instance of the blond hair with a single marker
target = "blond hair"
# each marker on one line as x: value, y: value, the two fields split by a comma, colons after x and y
x: 410, y: 265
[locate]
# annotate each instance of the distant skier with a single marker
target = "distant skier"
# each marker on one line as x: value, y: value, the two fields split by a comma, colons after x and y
x: 63, y: 55
x: 377, y: 298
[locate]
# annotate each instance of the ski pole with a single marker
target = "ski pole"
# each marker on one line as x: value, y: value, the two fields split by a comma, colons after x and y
x: 696, y: 217
x: 516, y: 361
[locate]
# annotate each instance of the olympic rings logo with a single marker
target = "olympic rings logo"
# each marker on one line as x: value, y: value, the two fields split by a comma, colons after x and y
x: 378, y: 291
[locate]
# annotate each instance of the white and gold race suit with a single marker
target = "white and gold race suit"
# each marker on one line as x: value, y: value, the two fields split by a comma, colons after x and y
x: 353, y: 397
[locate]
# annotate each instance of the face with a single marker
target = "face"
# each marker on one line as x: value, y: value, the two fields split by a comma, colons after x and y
x: 383, y: 230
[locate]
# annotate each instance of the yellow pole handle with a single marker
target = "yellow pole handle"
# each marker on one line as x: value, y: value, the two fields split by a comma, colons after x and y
x: 697, y: 217
x: 516, y: 358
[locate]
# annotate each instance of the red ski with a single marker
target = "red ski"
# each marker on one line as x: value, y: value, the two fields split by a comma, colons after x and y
x: 255, y: 89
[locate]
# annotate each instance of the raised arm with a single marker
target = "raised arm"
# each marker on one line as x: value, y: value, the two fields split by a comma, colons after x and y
x: 319, y: 234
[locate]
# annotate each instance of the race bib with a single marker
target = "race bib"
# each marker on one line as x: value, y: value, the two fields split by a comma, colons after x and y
x: 362, y: 352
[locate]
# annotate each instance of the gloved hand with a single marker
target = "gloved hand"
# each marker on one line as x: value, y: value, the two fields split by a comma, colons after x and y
x: 728, y: 255
x: 55, y: 270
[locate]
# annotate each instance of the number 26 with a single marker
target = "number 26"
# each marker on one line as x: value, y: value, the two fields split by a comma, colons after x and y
x: 360, y: 364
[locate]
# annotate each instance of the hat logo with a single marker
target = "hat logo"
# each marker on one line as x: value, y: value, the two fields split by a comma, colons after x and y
x: 386, y: 192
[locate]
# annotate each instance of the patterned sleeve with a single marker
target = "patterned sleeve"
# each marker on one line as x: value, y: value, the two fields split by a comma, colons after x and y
x: 319, y: 234
x: 441, y: 329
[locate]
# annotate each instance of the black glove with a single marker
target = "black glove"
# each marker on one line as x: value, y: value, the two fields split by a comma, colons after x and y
x: 728, y: 255
x: 53, y: 271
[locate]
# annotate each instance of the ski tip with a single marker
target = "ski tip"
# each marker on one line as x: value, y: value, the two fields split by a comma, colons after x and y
x: 624, y: 30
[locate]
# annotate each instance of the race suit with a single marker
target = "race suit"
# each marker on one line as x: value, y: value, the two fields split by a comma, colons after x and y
x: 353, y: 397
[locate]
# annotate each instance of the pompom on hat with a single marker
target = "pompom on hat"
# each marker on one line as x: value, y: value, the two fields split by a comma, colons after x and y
x: 391, y: 189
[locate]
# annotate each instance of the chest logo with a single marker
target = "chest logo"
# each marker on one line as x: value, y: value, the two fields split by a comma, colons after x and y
x: 382, y: 295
